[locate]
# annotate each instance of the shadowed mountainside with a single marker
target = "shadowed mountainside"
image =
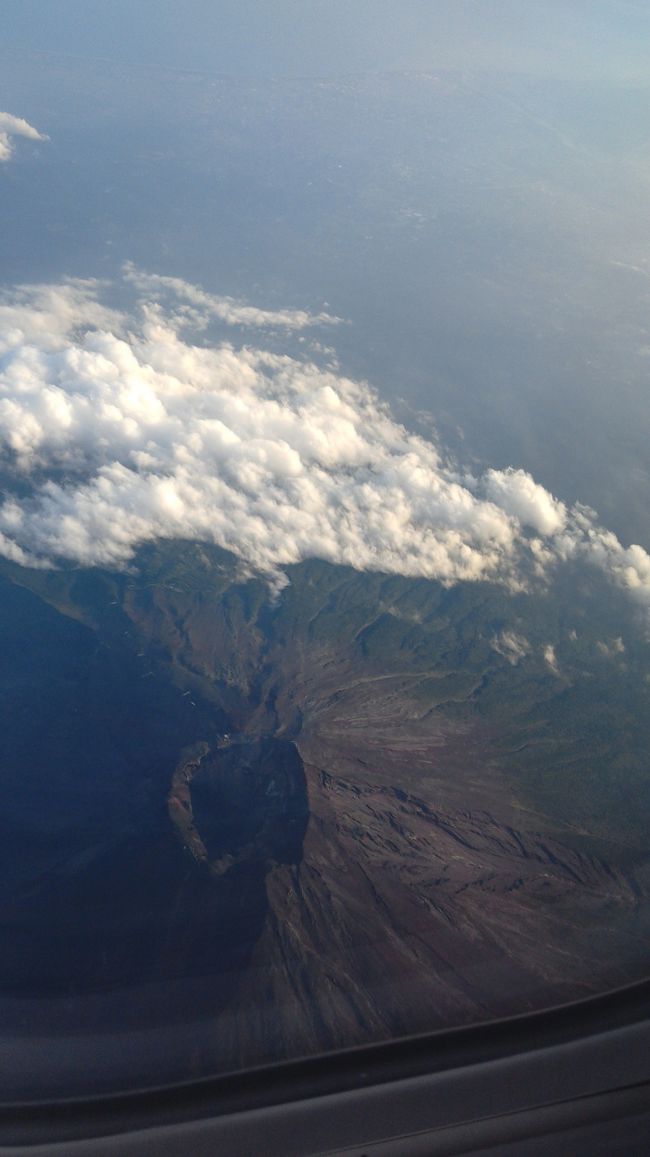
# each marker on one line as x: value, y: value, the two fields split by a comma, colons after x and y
x: 358, y: 804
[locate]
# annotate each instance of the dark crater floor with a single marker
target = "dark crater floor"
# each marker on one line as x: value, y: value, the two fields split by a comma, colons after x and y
x: 249, y: 801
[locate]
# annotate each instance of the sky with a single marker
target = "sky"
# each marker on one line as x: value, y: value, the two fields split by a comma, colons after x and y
x: 354, y: 280
x: 470, y: 248
x: 335, y: 37
x: 119, y: 430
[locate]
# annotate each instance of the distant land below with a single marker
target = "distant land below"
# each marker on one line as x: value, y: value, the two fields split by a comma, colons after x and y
x: 363, y: 807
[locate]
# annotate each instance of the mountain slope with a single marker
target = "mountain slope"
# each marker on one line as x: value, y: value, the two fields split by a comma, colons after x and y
x: 365, y: 806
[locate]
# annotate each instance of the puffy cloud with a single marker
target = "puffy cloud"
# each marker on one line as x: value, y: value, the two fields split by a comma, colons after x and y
x: 512, y: 646
x: 12, y: 126
x: 519, y: 494
x: 122, y: 428
x: 628, y: 567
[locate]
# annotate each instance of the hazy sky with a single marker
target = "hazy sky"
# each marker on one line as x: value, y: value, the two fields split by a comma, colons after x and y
x: 330, y: 37
x: 130, y: 433
x: 485, y: 236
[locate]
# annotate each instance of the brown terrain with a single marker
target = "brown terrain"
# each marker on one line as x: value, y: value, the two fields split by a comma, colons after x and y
x: 423, y: 889
x: 413, y: 907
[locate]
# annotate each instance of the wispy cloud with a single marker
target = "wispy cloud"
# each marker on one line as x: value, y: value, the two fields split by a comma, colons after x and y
x: 199, y: 307
x: 123, y: 428
x: 511, y: 646
x: 550, y: 659
x: 612, y: 649
x: 12, y: 126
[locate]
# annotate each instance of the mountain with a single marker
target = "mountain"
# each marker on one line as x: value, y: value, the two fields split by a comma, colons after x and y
x: 355, y: 807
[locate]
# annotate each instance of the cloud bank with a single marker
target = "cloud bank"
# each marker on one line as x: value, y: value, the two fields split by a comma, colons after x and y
x: 120, y: 428
x: 10, y: 127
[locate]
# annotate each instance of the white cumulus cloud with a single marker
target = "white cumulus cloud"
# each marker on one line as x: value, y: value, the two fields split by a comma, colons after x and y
x: 120, y: 428
x: 519, y: 494
x: 12, y: 126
